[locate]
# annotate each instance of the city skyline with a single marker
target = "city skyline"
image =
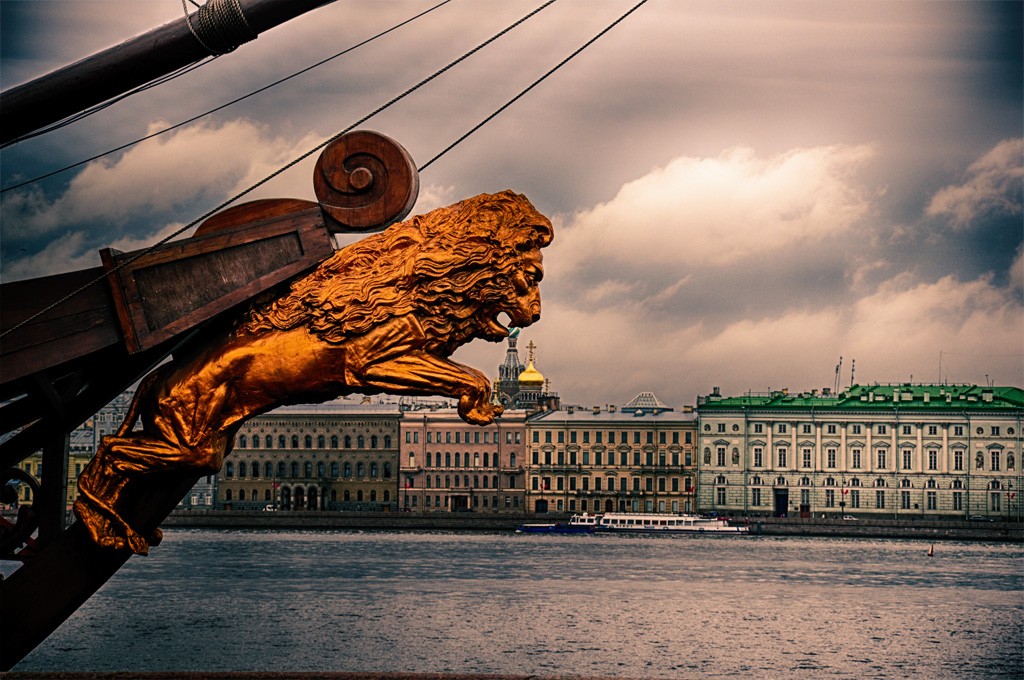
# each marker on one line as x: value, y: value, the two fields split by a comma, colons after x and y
x: 742, y: 194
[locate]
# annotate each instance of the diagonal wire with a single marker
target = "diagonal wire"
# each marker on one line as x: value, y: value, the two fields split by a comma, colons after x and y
x: 280, y: 170
x: 531, y: 86
x: 214, y: 110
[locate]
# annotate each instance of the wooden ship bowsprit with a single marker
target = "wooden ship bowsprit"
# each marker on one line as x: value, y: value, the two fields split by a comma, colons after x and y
x: 72, y: 342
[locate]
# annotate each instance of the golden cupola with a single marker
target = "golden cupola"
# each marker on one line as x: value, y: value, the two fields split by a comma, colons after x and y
x: 531, y: 377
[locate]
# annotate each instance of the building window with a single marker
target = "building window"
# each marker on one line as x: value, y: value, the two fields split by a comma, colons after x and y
x: 720, y: 494
x: 758, y: 456
x: 958, y: 500
x: 881, y: 459
x: 782, y: 457
x: 995, y: 504
x: 855, y: 455
x: 782, y: 428
x: 806, y: 429
x: 830, y: 498
x: 830, y: 458
x: 721, y: 456
x: 880, y: 499
x: 958, y: 430
x: 931, y: 500
x: 904, y: 500
x: 758, y: 428
x: 995, y: 461
x: 855, y: 429
x: 933, y: 459
x: 958, y: 459
x: 721, y: 427
x: 933, y: 430
x: 907, y: 459
x: 995, y: 430
x: 830, y: 429
x: 907, y: 430
x: 755, y: 497
x: 883, y: 429
x: 855, y: 498
x: 229, y: 470
x: 805, y: 457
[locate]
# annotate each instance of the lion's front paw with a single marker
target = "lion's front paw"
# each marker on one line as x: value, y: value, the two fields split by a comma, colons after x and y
x: 478, y: 413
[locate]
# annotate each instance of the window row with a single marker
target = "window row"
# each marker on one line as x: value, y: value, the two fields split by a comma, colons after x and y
x: 253, y: 441
x: 479, y: 500
x: 571, y: 483
x: 857, y: 429
x: 246, y: 470
x: 906, y: 459
x: 855, y: 482
x: 559, y: 436
x: 462, y: 460
x: 456, y: 481
x: 621, y: 458
x: 458, y: 437
x: 904, y: 500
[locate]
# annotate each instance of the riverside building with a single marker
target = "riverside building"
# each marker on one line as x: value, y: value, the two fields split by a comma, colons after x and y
x: 901, y: 451
x: 333, y: 456
x: 637, y: 459
x: 450, y: 466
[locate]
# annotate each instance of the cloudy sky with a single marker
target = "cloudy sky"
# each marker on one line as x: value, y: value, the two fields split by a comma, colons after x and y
x: 743, y: 192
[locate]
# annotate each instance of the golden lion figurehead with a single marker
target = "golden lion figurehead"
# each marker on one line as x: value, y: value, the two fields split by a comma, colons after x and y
x: 456, y: 269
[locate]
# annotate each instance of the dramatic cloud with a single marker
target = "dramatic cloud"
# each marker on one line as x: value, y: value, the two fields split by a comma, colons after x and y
x: 720, y: 211
x: 742, y: 192
x: 995, y: 184
x: 133, y: 198
x: 610, y: 311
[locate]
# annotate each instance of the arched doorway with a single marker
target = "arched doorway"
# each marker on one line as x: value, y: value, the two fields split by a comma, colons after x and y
x: 286, y: 498
x: 312, y: 496
x: 300, y: 498
x: 609, y: 505
x: 541, y: 506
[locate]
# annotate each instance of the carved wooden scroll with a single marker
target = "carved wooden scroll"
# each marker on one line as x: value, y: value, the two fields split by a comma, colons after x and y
x: 365, y: 181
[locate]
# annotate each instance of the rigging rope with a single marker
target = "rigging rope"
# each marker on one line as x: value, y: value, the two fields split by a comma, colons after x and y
x: 280, y: 170
x: 220, y: 26
x: 216, y: 109
x: 531, y: 86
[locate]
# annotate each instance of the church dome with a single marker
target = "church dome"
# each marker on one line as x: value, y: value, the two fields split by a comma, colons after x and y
x: 531, y: 377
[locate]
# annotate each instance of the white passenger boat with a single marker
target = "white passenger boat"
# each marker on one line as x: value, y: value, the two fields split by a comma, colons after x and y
x: 577, y: 524
x: 659, y: 523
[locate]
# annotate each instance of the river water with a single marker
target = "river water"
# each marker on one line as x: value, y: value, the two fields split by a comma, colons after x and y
x: 625, y: 606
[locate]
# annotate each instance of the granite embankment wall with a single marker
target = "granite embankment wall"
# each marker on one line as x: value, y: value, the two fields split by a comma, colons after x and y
x: 410, y: 521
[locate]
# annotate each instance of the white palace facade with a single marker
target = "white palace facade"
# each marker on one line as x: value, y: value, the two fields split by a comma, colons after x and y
x: 892, y: 451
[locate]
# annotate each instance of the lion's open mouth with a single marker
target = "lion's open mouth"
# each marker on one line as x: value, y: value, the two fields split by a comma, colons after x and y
x: 495, y: 328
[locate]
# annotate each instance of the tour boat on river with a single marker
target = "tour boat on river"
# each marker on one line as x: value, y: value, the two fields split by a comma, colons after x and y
x: 658, y: 523
x: 577, y: 524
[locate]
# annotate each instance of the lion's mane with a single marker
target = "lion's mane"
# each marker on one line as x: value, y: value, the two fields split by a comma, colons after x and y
x: 448, y: 264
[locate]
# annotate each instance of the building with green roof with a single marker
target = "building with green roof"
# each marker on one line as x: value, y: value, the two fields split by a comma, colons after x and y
x: 898, y: 451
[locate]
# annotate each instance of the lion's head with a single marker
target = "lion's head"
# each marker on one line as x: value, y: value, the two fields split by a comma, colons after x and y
x: 457, y: 269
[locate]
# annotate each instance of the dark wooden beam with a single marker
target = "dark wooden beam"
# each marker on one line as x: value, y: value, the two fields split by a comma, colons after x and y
x: 101, y: 76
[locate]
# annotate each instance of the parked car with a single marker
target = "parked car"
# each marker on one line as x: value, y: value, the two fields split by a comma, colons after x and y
x: 979, y: 518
